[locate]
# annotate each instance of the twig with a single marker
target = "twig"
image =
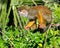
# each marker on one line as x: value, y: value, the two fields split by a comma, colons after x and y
x: 46, y: 36
x: 55, y: 25
x: 34, y: 2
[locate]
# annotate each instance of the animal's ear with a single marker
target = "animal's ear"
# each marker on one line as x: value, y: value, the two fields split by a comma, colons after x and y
x: 23, y: 13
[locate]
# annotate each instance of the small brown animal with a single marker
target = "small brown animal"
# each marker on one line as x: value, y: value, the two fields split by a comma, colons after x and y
x: 42, y: 13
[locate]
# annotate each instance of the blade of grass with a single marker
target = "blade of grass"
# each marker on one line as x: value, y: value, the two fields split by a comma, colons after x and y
x: 14, y: 14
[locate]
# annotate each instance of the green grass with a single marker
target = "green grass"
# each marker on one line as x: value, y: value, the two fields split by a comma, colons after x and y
x: 18, y: 37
